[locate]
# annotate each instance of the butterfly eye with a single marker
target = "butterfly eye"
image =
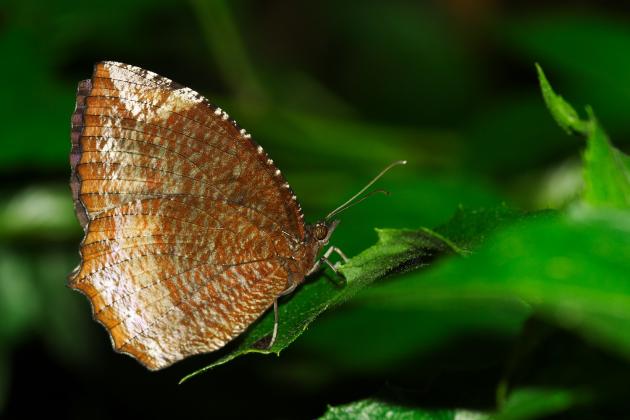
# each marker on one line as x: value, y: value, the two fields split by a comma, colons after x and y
x: 320, y: 232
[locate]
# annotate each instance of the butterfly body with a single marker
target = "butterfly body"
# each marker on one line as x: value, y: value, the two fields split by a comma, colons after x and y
x: 191, y: 232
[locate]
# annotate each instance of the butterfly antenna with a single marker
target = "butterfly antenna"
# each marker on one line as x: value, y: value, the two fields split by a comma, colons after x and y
x: 349, y: 203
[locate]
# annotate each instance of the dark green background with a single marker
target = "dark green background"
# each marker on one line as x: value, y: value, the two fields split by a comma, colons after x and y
x: 334, y: 91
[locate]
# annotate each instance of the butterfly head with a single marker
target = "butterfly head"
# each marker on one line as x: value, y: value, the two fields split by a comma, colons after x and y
x: 322, y: 230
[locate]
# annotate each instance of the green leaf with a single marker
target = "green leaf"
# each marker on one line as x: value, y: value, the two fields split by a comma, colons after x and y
x: 606, y: 169
x: 573, y: 272
x: 396, y: 251
x: 375, y: 409
x: 469, y: 228
x: 564, y: 114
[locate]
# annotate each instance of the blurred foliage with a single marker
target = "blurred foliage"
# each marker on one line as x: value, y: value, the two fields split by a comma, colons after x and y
x: 521, y: 318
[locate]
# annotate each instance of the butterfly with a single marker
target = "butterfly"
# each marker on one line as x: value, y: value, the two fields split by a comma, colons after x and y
x: 191, y: 232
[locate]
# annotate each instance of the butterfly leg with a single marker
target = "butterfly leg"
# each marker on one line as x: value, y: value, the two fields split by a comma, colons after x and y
x: 338, y: 251
x: 317, y: 266
x: 334, y: 267
x: 275, y: 325
x: 286, y: 291
x: 328, y: 253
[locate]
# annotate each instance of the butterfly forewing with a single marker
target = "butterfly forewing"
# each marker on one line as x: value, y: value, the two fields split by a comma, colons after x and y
x: 189, y: 226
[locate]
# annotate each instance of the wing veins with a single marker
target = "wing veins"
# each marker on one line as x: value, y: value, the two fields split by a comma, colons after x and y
x: 169, y: 150
x: 146, y: 123
x: 199, y: 123
x: 177, y: 304
x: 162, y: 196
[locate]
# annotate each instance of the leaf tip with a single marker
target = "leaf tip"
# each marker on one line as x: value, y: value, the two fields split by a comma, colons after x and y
x: 541, y: 73
x: 562, y: 112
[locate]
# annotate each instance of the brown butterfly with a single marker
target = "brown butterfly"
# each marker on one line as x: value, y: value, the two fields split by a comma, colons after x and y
x: 191, y: 232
